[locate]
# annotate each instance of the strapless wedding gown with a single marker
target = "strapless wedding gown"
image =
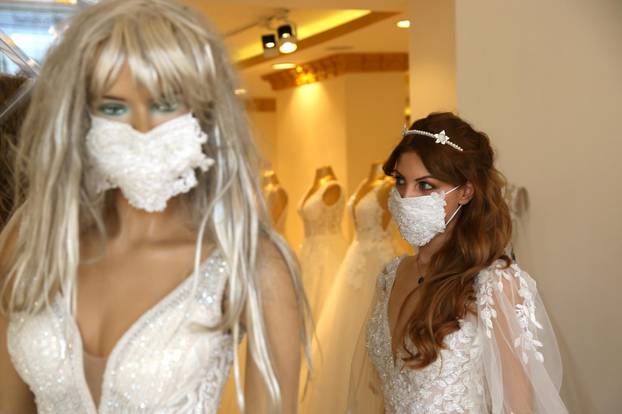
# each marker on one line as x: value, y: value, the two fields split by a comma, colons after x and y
x: 323, y: 246
x: 346, y: 307
x: 502, y: 359
x: 167, y: 362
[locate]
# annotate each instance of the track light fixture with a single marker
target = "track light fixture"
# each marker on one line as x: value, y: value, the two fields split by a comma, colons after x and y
x: 280, y: 39
x: 269, y: 45
x: 287, y: 38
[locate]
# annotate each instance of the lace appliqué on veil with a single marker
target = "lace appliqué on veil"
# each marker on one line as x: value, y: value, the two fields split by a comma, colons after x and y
x: 491, y: 280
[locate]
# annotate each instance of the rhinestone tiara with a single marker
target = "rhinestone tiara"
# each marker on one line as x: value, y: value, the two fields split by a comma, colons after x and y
x: 441, y: 137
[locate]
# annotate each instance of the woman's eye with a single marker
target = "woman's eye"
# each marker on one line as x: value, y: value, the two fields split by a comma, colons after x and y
x: 165, y: 107
x: 112, y: 109
x: 425, y: 186
x: 400, y: 181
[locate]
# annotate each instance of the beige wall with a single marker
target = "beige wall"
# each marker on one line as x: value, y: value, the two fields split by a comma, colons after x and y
x: 346, y: 122
x: 263, y: 125
x: 544, y: 79
x: 432, y: 57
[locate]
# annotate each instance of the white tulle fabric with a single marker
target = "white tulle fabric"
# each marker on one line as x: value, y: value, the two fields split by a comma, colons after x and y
x: 346, y: 306
x: 323, y: 246
x: 502, y: 360
x: 150, y: 167
x: 167, y: 362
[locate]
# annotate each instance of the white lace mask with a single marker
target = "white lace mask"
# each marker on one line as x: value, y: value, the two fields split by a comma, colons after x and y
x: 149, y: 168
x: 420, y: 218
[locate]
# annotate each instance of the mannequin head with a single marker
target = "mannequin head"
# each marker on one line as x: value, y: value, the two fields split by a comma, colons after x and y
x: 169, y: 56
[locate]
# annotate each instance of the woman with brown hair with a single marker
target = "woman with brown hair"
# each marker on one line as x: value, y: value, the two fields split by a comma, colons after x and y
x: 9, y: 127
x: 458, y: 327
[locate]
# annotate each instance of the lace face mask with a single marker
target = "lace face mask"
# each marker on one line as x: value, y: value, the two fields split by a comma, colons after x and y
x: 149, y: 168
x: 420, y: 218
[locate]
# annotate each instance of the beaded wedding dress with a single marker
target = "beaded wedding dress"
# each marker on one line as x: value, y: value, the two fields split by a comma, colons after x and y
x: 504, y: 359
x: 167, y: 362
x: 323, y: 246
x: 345, y: 308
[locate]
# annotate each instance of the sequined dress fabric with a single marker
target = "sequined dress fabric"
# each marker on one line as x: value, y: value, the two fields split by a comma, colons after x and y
x: 169, y: 361
x: 451, y: 384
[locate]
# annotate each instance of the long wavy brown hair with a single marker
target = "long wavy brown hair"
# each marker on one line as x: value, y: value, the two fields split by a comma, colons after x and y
x: 479, y: 237
x: 9, y: 128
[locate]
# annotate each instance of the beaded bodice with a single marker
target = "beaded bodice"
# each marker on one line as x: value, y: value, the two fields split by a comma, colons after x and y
x: 169, y: 361
x: 451, y: 384
x: 321, y: 219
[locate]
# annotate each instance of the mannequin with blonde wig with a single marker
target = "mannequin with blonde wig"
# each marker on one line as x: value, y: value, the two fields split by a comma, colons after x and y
x: 171, y: 52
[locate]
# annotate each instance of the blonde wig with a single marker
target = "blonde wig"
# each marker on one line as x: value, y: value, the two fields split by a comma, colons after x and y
x: 172, y: 52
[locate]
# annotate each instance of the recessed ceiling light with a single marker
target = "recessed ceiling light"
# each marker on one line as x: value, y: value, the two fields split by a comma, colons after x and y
x: 280, y: 66
x: 403, y: 24
x: 240, y: 91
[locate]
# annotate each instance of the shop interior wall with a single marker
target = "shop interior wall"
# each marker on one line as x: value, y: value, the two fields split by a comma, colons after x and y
x: 432, y: 57
x: 346, y: 122
x: 544, y: 79
x: 263, y: 125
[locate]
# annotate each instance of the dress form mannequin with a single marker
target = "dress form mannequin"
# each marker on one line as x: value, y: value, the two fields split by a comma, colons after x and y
x: 323, y: 176
x: 276, y: 199
x: 337, y: 331
x: 162, y: 294
x: 324, y: 245
x: 376, y: 178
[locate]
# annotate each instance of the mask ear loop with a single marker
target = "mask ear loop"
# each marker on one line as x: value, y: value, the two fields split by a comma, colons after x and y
x: 459, y: 206
x: 453, y: 215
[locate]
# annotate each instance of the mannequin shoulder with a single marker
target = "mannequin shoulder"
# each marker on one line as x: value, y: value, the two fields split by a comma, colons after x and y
x: 274, y: 268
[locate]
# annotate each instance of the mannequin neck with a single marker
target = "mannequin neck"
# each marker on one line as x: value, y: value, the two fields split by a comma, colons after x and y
x: 376, y: 172
x: 270, y: 179
x: 324, y: 174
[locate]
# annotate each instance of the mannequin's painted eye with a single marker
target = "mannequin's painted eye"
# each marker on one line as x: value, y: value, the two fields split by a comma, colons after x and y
x: 112, y: 109
x: 164, y: 107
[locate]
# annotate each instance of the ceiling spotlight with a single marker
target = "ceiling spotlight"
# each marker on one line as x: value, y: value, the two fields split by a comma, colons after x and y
x: 403, y: 24
x: 269, y: 45
x: 287, y: 39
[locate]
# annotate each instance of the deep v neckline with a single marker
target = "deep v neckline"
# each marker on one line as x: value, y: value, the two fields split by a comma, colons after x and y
x: 134, y: 329
x: 387, y: 319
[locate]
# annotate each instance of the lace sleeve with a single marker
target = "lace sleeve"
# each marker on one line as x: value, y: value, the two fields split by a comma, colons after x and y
x: 522, y: 365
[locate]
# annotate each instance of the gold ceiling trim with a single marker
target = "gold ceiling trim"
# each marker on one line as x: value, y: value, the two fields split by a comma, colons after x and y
x: 337, y: 65
x: 260, y: 104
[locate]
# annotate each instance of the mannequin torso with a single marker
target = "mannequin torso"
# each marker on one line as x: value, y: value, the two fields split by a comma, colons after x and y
x: 276, y: 198
x: 376, y: 178
x: 324, y: 175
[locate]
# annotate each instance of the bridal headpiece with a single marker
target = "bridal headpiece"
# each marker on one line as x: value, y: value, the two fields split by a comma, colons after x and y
x: 441, y: 137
